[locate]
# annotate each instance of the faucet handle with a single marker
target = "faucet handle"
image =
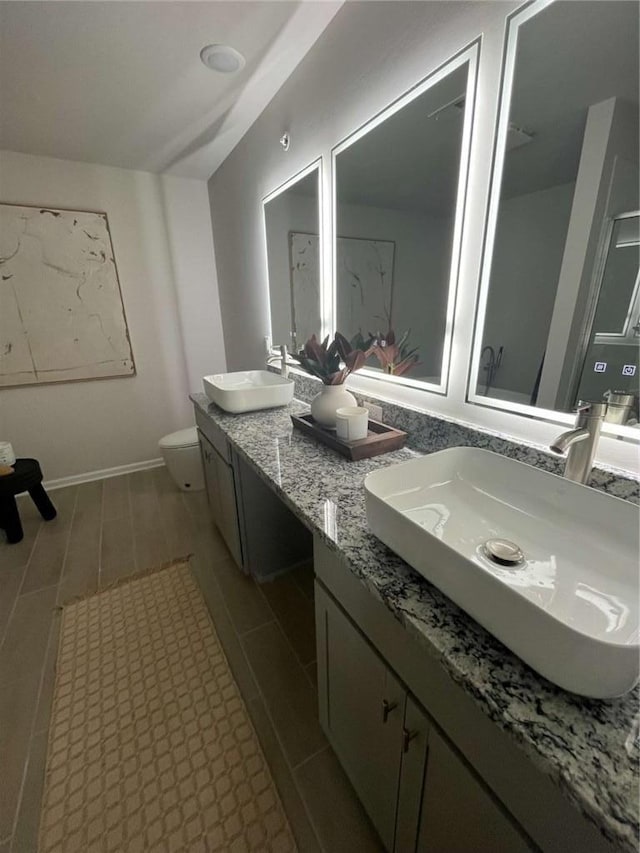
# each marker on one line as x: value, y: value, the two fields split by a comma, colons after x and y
x: 591, y: 409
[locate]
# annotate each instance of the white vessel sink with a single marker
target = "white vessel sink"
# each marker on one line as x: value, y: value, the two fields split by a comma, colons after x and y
x: 248, y: 390
x: 569, y: 608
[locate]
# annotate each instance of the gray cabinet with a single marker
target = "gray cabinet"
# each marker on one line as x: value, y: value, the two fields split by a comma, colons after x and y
x: 264, y: 537
x: 458, y: 813
x: 221, y: 491
x: 501, y: 784
x: 420, y: 794
x: 416, y: 735
x: 361, y: 710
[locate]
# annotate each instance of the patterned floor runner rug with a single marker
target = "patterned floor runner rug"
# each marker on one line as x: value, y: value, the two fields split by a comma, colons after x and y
x: 150, y: 746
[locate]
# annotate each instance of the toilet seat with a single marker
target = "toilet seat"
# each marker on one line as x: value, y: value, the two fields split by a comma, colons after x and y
x: 182, y: 438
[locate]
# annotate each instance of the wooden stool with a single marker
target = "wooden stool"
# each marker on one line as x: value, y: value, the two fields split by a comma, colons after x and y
x: 27, y: 477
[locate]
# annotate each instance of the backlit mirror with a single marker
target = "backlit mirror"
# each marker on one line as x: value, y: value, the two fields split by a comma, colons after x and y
x: 399, y: 193
x: 559, y: 308
x: 291, y: 222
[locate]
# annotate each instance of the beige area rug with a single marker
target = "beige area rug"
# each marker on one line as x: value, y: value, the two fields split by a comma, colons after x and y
x: 150, y: 746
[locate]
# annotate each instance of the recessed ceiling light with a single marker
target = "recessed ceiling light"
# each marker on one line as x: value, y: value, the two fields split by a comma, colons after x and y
x: 221, y: 57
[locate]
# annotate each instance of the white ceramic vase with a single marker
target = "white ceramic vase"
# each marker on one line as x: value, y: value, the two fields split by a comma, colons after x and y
x: 324, y: 404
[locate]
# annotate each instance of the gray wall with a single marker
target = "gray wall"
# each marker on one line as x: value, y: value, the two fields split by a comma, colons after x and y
x: 369, y: 55
x: 529, y: 246
x: 287, y: 212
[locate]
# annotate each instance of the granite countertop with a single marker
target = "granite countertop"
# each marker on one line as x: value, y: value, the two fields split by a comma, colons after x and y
x: 590, y: 748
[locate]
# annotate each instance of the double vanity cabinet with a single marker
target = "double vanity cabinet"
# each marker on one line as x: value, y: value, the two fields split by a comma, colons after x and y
x: 450, y: 743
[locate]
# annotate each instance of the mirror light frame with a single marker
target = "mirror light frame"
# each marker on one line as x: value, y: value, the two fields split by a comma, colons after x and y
x: 514, y: 22
x: 470, y: 55
x: 281, y: 188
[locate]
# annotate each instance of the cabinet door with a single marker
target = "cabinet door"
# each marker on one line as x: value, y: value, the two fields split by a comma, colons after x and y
x: 221, y: 491
x: 458, y: 813
x: 210, y: 477
x: 415, y: 742
x: 361, y: 711
x: 228, y: 509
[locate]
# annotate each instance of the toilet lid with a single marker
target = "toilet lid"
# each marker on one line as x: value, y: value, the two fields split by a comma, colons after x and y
x: 181, y: 438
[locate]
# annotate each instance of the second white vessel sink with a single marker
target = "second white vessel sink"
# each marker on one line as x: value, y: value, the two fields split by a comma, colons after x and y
x: 562, y: 591
x: 248, y: 390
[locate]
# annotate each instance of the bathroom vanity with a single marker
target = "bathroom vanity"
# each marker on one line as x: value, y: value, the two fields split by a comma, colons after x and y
x: 447, y: 737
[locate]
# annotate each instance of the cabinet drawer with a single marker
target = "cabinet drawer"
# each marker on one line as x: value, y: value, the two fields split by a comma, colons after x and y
x: 214, y: 434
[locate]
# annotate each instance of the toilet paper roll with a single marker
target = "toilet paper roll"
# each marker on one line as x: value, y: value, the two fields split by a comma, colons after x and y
x: 7, y: 456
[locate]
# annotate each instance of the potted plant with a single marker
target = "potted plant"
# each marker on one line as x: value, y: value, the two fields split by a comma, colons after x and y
x: 331, y: 363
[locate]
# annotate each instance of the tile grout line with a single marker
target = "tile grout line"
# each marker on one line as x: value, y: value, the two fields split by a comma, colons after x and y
x: 28, y: 563
x: 285, y: 757
x: 242, y: 634
x: 284, y: 633
x: 34, y: 717
x: 313, y: 755
x: 163, y: 527
x: 311, y: 680
x: 101, y: 535
x: 266, y: 710
x: 66, y: 550
x: 24, y: 574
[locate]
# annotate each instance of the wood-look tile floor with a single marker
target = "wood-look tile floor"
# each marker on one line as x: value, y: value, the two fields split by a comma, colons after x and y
x: 107, y: 530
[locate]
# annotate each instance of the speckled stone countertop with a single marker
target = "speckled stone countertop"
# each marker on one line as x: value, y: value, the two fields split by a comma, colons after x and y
x: 590, y: 748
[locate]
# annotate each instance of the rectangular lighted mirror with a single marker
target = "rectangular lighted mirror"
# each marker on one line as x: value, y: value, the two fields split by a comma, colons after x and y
x: 559, y: 309
x: 292, y: 228
x: 399, y: 190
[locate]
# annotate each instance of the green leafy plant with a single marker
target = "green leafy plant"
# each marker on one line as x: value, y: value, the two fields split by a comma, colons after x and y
x: 396, y: 359
x: 330, y: 362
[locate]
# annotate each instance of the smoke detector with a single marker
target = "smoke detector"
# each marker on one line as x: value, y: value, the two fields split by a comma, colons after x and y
x: 222, y: 58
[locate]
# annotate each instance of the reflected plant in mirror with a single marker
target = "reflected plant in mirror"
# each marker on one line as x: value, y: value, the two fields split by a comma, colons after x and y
x: 395, y: 358
x: 397, y: 185
x: 559, y: 308
x: 291, y: 222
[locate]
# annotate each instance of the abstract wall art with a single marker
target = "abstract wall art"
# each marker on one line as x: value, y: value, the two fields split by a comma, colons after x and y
x: 61, y: 312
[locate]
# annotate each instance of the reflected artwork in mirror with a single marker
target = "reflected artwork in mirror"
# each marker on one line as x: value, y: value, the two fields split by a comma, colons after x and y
x: 399, y: 186
x: 559, y: 309
x: 291, y: 223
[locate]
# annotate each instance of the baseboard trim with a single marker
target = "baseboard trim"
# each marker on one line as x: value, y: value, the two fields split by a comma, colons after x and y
x: 102, y: 474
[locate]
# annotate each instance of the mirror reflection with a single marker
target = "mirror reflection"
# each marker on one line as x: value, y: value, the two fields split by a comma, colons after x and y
x: 396, y: 190
x: 291, y: 220
x: 560, y: 311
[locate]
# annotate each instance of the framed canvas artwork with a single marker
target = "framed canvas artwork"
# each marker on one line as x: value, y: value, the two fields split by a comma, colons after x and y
x: 61, y: 312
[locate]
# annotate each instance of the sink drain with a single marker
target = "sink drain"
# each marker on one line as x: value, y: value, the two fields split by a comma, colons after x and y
x: 503, y: 552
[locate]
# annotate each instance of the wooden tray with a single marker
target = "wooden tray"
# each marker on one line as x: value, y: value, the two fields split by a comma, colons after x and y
x: 381, y: 438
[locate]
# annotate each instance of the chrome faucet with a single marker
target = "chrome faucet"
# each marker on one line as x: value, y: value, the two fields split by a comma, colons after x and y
x: 282, y: 358
x: 490, y: 367
x: 580, y: 443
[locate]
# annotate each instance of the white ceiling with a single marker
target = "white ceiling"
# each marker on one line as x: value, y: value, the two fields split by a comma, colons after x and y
x: 121, y: 83
x: 591, y: 53
x: 411, y: 160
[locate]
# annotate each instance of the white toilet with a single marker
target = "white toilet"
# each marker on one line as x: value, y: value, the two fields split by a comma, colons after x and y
x: 181, y: 453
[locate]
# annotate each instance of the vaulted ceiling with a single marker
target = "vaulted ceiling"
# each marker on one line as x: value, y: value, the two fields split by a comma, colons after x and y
x: 121, y: 83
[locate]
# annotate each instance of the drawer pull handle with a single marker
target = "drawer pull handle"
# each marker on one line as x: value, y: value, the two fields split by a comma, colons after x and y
x: 387, y: 708
x: 407, y: 737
